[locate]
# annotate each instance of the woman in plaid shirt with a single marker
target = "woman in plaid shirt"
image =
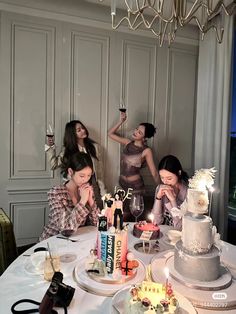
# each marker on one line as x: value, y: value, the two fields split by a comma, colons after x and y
x: 72, y: 204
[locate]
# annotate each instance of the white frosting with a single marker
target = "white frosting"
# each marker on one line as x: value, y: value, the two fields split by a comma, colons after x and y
x: 204, y: 267
x: 197, y: 233
x: 197, y: 201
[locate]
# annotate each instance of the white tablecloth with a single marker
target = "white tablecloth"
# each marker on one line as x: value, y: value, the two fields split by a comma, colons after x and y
x: 16, y: 283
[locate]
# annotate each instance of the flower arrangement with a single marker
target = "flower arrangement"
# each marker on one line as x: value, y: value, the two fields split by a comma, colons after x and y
x: 202, y: 179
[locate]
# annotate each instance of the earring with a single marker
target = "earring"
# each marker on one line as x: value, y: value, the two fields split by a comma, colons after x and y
x: 180, y: 172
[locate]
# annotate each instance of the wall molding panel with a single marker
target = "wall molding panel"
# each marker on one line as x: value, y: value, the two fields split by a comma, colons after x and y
x: 32, y: 98
x: 28, y: 219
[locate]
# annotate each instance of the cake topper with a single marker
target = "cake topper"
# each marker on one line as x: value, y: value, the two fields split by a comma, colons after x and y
x: 126, y: 195
x: 203, y: 179
x: 108, y: 210
x: 102, y: 223
x: 118, y: 204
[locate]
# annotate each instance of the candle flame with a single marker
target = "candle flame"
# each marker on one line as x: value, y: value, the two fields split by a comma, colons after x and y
x: 151, y: 217
x: 167, y: 272
x: 211, y: 189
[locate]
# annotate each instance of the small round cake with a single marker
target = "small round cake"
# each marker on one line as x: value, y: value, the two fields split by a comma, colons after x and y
x: 150, y: 297
x: 146, y: 230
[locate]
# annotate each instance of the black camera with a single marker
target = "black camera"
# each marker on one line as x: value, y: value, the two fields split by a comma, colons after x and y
x: 58, y: 294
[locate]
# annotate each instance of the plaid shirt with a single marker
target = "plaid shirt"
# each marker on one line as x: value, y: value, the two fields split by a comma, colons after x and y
x: 64, y: 215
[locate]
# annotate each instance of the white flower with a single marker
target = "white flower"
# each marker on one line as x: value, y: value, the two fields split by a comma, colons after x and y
x: 216, y: 238
x: 202, y: 201
x: 202, y: 179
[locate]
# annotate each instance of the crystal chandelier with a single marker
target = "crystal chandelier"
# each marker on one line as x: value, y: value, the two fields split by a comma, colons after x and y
x: 165, y: 17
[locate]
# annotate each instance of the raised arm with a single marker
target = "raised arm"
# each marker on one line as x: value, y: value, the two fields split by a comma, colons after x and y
x: 50, y: 149
x: 147, y: 154
x: 54, y: 160
x: 112, y: 132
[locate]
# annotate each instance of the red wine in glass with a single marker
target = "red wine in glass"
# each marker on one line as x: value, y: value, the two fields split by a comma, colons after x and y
x: 122, y: 109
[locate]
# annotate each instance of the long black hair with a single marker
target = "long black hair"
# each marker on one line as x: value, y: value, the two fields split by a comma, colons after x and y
x: 71, y: 144
x: 150, y: 129
x: 173, y: 165
x: 77, y: 162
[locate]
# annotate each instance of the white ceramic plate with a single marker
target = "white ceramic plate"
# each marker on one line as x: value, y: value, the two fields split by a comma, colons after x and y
x: 166, y: 240
x: 174, y: 235
x: 118, y: 303
x: 85, y: 282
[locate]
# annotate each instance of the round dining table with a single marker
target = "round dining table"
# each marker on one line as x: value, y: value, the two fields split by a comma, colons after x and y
x: 17, y: 282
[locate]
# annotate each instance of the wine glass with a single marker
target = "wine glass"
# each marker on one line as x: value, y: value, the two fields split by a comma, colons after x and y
x: 122, y: 106
x: 50, y: 135
x: 68, y: 256
x: 136, y: 205
x: 50, y: 132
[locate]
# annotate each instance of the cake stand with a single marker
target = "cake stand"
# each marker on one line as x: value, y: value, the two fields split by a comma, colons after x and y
x: 215, y: 295
x: 118, y: 302
x: 89, y: 284
x: 148, y: 246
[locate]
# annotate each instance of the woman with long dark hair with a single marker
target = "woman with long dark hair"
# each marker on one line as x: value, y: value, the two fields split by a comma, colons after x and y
x: 171, y: 194
x: 72, y: 204
x: 76, y: 138
x: 136, y: 154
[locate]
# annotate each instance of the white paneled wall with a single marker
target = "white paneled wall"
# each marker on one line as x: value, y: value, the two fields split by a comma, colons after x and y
x: 53, y: 70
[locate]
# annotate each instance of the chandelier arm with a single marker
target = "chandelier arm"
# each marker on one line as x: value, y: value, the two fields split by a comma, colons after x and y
x: 160, y: 35
x: 193, y: 9
x: 125, y: 18
x: 196, y: 20
x: 219, y: 37
x: 140, y: 23
x: 142, y: 7
x: 158, y: 15
x: 218, y: 11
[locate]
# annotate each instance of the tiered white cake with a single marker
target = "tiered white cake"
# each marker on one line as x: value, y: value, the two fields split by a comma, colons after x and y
x: 196, y: 256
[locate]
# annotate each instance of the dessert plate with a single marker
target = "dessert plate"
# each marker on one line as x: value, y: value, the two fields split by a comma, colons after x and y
x: 99, y: 288
x: 118, y: 305
x: 166, y: 240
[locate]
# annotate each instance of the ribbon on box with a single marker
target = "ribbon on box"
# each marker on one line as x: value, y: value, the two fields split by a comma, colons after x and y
x: 126, y: 268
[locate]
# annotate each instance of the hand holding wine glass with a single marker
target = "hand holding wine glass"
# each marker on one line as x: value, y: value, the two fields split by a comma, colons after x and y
x: 136, y: 205
x: 50, y: 135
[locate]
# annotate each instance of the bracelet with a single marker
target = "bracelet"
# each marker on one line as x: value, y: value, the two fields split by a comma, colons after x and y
x: 157, y: 198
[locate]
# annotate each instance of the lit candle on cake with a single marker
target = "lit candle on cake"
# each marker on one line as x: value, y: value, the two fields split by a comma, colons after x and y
x: 166, y: 271
x: 151, y: 217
